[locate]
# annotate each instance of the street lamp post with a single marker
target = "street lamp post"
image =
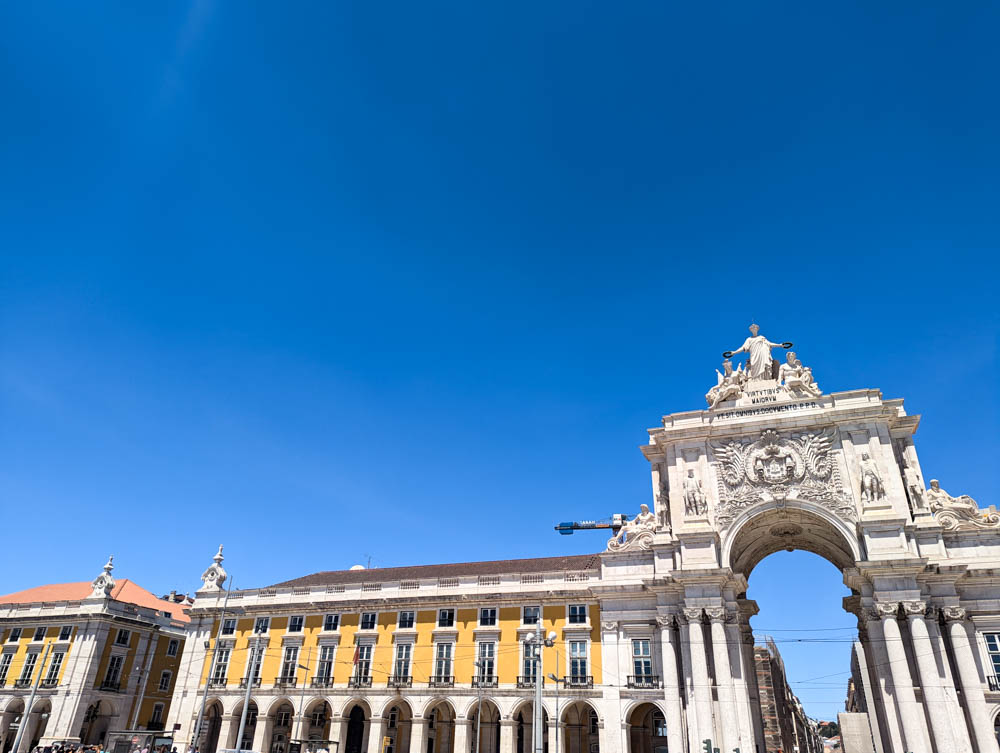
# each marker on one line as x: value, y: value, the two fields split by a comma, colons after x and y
x: 555, y: 679
x: 540, y: 642
x: 302, y: 697
x: 196, y: 733
x: 251, y: 663
x: 479, y: 709
x: 31, y: 701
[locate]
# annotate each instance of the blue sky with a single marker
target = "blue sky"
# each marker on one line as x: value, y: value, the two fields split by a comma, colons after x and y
x: 333, y: 281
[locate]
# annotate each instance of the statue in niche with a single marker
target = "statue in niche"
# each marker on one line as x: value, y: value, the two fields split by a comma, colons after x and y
x: 636, y: 533
x: 759, y: 365
x: 663, y: 502
x: 729, y: 385
x: 914, y: 486
x: 872, y: 488
x: 695, y: 503
x: 795, y: 377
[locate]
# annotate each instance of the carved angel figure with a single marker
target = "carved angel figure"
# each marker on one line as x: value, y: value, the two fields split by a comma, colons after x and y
x: 795, y: 377
x: 729, y: 385
x: 872, y: 488
x: 636, y: 533
x: 958, y: 512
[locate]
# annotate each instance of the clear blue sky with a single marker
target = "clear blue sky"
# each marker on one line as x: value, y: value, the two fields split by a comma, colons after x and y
x: 408, y: 281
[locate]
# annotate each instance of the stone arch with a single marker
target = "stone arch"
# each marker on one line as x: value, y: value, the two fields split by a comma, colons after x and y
x: 440, y: 715
x: 14, y: 705
x: 765, y: 529
x: 395, y: 701
x: 211, y: 725
x: 350, y: 703
x: 488, y: 740
x: 96, y: 722
x: 522, y: 716
x: 397, y: 724
x: 579, y: 724
x: 318, y: 723
x: 280, y: 721
x: 647, y: 728
x: 276, y: 704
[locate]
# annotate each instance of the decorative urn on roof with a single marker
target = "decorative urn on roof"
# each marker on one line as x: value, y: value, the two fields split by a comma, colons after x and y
x: 215, y: 575
x: 103, y: 584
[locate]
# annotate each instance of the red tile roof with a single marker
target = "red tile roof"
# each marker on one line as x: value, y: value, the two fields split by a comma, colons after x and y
x: 124, y: 590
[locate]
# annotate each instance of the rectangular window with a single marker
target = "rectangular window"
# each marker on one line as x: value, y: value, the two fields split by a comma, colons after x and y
x: 54, y: 666
x: 442, y: 660
x: 364, y: 666
x: 39, y: 634
x: 578, y: 659
x: 122, y: 638
x: 324, y: 670
x: 319, y: 716
x: 157, y: 716
x: 262, y: 625
x: 295, y: 624
x: 290, y: 661
x: 577, y: 614
x: 221, y: 668
x: 488, y: 617
x: 993, y: 647
x: 368, y: 620
x: 402, y: 666
x: 331, y: 622
x: 530, y: 659
x: 406, y: 619
x: 114, y: 672
x: 284, y: 719
x: 446, y: 618
x: 172, y: 647
x: 642, y: 660
x: 29, y: 667
x: 65, y: 632
x: 165, y: 680
x: 487, y: 659
x: 531, y: 615
x: 15, y: 635
x: 229, y: 627
x: 594, y: 723
x: 5, y: 667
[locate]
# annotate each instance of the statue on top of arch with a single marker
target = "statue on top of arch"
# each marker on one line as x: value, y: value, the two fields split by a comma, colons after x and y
x: 958, y: 513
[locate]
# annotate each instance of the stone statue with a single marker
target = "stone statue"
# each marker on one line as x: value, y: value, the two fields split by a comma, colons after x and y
x: 958, y: 513
x: 759, y: 349
x: 729, y: 385
x: 215, y: 575
x: 914, y: 486
x: 694, y: 497
x: 872, y: 488
x: 795, y: 377
x: 636, y: 533
x: 103, y: 584
x: 663, y: 502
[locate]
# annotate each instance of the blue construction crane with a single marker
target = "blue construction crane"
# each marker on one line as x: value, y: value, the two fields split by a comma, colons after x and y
x: 615, y: 523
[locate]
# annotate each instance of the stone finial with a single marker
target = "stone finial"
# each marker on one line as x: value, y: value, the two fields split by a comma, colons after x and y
x: 215, y: 575
x: 103, y: 584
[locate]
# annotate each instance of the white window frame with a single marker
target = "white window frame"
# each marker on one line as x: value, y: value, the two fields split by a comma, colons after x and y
x: 452, y: 616
x: 289, y: 660
x: 374, y: 620
x: 225, y: 626
x: 41, y: 628
x: 123, y: 634
x: 569, y: 614
x: 256, y: 625
x: 221, y: 662
x: 15, y: 635
x: 529, y: 653
x: 640, y: 657
x: 168, y: 676
x: 330, y: 662
x: 120, y: 658
x: 173, y: 646
x: 5, y: 660
x: 335, y: 618
x: 28, y: 667
x: 365, y: 653
x: 444, y: 652
x: 283, y: 716
x: 412, y: 620
x: 65, y: 632
x: 407, y: 660
x: 570, y: 657
x: 495, y: 612
x: 524, y: 614
x: 156, y: 716
x: 55, y: 664
x: 486, y: 655
x: 301, y: 626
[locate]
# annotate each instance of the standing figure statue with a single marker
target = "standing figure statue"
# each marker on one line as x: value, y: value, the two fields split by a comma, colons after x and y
x: 694, y: 496
x: 871, y: 483
x: 914, y: 485
x: 759, y: 348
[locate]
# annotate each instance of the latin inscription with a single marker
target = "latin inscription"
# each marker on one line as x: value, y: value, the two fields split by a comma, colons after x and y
x: 765, y: 411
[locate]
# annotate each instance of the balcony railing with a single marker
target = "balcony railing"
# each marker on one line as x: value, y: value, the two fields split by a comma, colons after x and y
x: 113, y: 687
x: 527, y: 681
x: 49, y: 682
x: 217, y: 682
x: 322, y: 682
x: 644, y: 682
x: 401, y: 681
x: 23, y: 683
x: 285, y: 681
x: 993, y: 682
x: 442, y: 681
x: 154, y: 726
x: 254, y: 682
x: 359, y: 682
x: 578, y: 681
x: 484, y: 681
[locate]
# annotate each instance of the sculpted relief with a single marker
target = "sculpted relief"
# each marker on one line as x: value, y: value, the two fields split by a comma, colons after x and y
x: 958, y: 513
x: 636, y: 533
x: 777, y: 467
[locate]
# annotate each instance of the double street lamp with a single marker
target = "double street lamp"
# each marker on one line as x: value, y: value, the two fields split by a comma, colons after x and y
x: 539, y: 642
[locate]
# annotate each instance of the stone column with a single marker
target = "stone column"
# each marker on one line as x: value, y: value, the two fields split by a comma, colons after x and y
x: 375, y: 735
x: 756, y: 720
x: 880, y: 677
x: 724, y: 679
x: 741, y: 682
x: 972, y: 683
x: 671, y: 684
x: 418, y: 736
x: 956, y: 714
x: 931, y: 682
x: 910, y: 713
x: 30, y: 722
x: 227, y: 728
x: 552, y: 735
x: 506, y: 736
x: 338, y: 730
x: 461, y: 737
x: 702, y: 690
x: 262, y: 735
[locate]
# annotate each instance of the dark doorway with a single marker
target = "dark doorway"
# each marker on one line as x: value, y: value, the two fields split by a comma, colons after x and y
x: 355, y: 730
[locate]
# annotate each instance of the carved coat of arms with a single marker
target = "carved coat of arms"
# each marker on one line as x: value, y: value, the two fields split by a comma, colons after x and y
x: 778, y: 468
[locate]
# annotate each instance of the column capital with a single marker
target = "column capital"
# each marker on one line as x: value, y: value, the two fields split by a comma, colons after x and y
x: 886, y: 609
x: 463, y: 722
x: 609, y: 626
x: 915, y: 608
x: 665, y: 620
x: 953, y: 613
x: 692, y: 614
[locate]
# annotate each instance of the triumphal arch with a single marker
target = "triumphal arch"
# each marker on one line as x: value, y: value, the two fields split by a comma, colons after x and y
x: 774, y: 463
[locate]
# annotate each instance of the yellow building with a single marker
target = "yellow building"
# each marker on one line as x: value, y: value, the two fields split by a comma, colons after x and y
x: 396, y: 660
x: 100, y: 657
